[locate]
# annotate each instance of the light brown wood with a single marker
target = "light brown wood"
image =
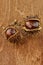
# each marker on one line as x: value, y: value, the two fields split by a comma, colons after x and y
x: 30, y: 52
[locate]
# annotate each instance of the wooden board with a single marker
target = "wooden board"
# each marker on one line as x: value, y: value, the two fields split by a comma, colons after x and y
x: 30, y: 52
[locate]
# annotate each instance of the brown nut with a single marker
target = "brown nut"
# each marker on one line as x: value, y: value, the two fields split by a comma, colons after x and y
x: 31, y: 24
x: 9, y: 32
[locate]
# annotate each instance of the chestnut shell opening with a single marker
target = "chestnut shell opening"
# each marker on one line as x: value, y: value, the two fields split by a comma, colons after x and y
x: 32, y: 24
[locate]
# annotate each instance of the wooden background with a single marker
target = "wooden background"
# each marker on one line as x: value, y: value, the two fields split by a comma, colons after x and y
x: 31, y: 51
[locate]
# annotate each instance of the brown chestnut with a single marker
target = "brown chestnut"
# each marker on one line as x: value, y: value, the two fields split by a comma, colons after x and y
x: 28, y: 25
x: 31, y: 24
x: 9, y: 32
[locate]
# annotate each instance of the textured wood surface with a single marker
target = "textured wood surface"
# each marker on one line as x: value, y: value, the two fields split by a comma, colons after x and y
x: 30, y: 52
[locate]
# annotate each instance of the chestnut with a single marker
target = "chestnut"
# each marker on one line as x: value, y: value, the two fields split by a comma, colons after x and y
x: 28, y: 25
x: 32, y: 24
x: 9, y: 32
x: 35, y: 24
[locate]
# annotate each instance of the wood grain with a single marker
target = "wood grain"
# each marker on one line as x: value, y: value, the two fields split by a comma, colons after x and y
x: 30, y: 52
